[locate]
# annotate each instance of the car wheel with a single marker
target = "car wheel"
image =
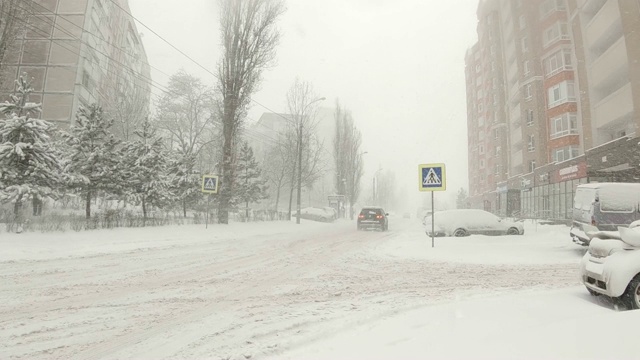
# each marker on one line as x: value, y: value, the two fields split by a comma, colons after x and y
x: 631, y: 296
x: 460, y: 233
x: 513, y: 231
x: 593, y: 293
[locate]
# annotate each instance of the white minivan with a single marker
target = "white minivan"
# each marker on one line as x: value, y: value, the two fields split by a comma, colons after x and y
x: 606, y: 206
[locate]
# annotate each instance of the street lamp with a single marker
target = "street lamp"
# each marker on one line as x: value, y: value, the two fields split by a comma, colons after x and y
x: 375, y: 185
x: 300, y: 155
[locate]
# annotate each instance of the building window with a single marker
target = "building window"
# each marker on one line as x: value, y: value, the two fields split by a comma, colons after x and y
x: 523, y: 22
x: 559, y: 61
x: 556, y: 32
x: 497, y: 169
x: 481, y: 149
x: 525, y: 44
x: 529, y: 117
x: 498, y: 150
x: 532, y: 165
x: 478, y: 68
x: 565, y: 124
x: 480, y: 108
x: 527, y: 67
x: 528, y: 92
x: 549, y: 6
x: 493, y: 65
x: 481, y: 121
x: 86, y: 80
x: 479, y: 81
x: 495, y: 99
x: 565, y: 153
x: 496, y: 134
x: 561, y: 93
x: 481, y: 163
x: 531, y: 145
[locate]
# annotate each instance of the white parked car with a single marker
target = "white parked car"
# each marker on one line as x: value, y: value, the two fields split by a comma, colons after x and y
x: 464, y: 222
x: 611, y: 267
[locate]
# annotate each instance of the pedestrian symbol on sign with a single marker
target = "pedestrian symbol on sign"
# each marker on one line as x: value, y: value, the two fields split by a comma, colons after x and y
x: 210, y: 184
x: 432, y: 178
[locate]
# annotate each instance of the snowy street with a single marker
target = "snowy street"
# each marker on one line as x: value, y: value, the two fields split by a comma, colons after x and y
x: 247, y: 290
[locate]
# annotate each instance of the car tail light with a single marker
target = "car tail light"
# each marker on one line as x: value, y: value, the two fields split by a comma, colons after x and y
x: 360, y: 216
x: 379, y: 217
x: 593, y: 221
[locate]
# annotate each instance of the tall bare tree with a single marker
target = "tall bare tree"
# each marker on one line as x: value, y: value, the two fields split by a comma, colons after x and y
x: 187, y: 113
x: 302, y: 104
x: 14, y: 16
x: 278, y: 164
x: 348, y: 156
x: 249, y: 39
x: 129, y: 108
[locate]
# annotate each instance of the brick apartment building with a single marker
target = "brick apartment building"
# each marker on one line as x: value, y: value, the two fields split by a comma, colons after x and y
x: 553, y: 100
x: 79, y: 52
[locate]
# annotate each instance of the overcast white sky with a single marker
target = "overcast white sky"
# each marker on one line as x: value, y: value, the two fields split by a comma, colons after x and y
x: 398, y: 65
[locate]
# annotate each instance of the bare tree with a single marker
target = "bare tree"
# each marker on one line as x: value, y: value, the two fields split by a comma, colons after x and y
x: 129, y: 109
x: 249, y: 39
x: 278, y: 164
x: 14, y: 16
x: 187, y: 113
x: 348, y: 156
x: 302, y: 104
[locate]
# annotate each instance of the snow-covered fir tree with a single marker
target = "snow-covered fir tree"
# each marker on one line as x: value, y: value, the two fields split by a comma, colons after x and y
x: 93, y: 156
x: 145, y: 163
x: 250, y: 186
x: 29, y: 164
x: 185, y: 182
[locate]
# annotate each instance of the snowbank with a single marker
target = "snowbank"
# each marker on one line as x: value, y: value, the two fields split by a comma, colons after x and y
x: 540, y: 244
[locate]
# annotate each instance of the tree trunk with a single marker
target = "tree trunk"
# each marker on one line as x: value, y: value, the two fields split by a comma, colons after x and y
x: 87, y: 209
x: 246, y: 209
x: 144, y: 208
x: 226, y: 186
x: 278, y: 194
x: 293, y: 186
x: 17, y: 213
x: 184, y: 208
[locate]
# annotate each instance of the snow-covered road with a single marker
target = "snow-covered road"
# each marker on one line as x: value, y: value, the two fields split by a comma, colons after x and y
x: 240, y: 291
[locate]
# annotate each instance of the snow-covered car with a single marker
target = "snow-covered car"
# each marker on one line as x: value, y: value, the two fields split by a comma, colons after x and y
x: 326, y: 214
x: 611, y: 266
x: 373, y: 217
x: 464, y: 222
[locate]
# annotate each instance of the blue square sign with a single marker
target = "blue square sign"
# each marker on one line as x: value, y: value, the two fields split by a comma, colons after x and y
x: 433, y: 177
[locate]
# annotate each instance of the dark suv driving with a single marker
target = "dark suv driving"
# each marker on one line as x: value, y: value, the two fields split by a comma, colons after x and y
x: 373, y: 218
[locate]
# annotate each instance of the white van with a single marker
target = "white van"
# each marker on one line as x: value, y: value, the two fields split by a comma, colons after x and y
x: 605, y: 206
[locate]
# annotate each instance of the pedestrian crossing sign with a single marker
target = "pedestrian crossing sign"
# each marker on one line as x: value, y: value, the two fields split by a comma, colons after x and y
x: 433, y: 177
x: 210, y: 184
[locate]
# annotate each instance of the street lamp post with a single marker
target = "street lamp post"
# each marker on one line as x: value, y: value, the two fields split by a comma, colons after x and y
x: 375, y: 185
x: 300, y: 155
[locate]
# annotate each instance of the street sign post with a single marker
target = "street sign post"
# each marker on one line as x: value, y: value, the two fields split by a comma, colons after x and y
x: 209, y: 186
x: 432, y: 177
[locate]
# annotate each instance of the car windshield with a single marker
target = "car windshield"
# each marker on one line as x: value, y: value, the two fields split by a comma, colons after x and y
x: 287, y: 179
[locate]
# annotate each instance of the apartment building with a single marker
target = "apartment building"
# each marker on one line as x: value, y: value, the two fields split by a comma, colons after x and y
x: 80, y: 52
x: 571, y: 79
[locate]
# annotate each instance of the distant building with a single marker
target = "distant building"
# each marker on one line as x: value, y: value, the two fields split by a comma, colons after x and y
x: 548, y: 83
x: 79, y: 52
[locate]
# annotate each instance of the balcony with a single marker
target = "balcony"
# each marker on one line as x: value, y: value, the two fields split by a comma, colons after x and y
x: 602, y: 28
x: 614, y: 107
x: 611, y: 65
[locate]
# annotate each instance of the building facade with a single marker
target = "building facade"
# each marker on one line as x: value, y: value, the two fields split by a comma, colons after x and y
x: 569, y: 71
x: 79, y: 52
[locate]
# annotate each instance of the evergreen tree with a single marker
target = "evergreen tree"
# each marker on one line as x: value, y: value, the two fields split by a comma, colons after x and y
x: 146, y: 169
x: 29, y: 164
x: 185, y: 182
x: 93, y: 155
x: 461, y: 200
x: 250, y: 186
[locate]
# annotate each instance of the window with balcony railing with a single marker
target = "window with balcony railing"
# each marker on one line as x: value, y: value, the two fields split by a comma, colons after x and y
x: 531, y: 144
x: 550, y: 6
x: 561, y: 93
x: 565, y: 153
x: 556, y: 32
x: 563, y: 125
x: 557, y: 62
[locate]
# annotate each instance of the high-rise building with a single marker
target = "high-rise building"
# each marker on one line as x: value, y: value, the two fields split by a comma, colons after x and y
x: 556, y: 79
x: 79, y: 52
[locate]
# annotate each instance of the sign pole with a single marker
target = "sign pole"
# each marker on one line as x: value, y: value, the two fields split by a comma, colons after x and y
x: 433, y: 222
x: 208, y: 210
